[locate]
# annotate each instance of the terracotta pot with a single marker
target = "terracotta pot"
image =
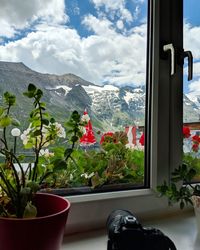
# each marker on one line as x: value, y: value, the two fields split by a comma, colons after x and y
x: 44, y: 232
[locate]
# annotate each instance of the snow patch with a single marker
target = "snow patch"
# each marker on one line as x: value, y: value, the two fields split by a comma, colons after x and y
x: 92, y: 90
x: 136, y: 96
x: 128, y: 97
x: 193, y: 97
x: 138, y: 90
x: 64, y: 87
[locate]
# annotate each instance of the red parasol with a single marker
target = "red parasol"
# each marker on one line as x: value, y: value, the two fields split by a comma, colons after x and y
x: 88, y: 138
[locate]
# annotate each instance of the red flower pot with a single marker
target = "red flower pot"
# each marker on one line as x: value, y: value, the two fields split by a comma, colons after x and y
x: 45, y: 232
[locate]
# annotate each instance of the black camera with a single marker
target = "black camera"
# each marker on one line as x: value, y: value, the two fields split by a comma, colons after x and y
x: 126, y: 233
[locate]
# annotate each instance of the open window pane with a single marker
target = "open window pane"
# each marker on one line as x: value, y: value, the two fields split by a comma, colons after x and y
x: 88, y: 56
x: 191, y: 96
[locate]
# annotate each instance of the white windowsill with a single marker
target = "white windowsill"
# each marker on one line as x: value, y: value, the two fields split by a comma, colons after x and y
x: 89, y: 212
x: 180, y: 227
x: 109, y: 195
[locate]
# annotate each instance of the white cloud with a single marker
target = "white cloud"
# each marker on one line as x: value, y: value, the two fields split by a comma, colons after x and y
x: 115, y: 7
x: 109, y: 4
x: 105, y: 56
x: 99, y: 26
x: 137, y: 11
x: 120, y: 24
x: 194, y: 90
x: 139, y: 1
x: 196, y: 69
x: 74, y: 9
x: 19, y: 14
x: 195, y: 85
x: 6, y: 29
x: 191, y: 42
x: 49, y: 49
x: 191, y: 39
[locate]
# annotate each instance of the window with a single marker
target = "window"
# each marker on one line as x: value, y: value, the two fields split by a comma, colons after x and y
x: 96, y: 53
x: 163, y: 130
x: 191, y: 117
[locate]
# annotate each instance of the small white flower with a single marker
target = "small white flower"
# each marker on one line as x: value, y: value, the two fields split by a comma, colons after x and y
x: 85, y: 118
x: 60, y: 130
x: 82, y: 129
x: 42, y: 152
x: 129, y: 145
x: 44, y: 130
x: 15, y: 132
x: 132, y: 146
x: 46, y: 143
x: 71, y: 177
x: 90, y: 175
x: 25, y: 135
x: 46, y: 153
x: 87, y: 176
x: 24, y: 138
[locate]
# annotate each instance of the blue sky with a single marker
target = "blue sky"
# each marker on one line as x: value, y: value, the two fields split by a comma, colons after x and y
x: 191, y: 11
x: 79, y: 9
x: 102, y: 41
x: 191, y: 15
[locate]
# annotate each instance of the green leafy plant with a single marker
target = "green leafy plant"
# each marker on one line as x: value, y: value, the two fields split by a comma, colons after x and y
x: 182, y: 185
x: 19, y: 182
x: 180, y: 188
x: 113, y: 163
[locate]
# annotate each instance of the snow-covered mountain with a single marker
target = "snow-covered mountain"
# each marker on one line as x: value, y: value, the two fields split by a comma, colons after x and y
x: 112, y: 106
x: 109, y: 107
x: 191, y: 109
x: 195, y: 98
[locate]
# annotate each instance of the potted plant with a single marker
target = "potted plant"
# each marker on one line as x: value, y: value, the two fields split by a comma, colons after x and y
x: 184, y: 187
x: 29, y: 219
x: 112, y: 166
x: 181, y: 189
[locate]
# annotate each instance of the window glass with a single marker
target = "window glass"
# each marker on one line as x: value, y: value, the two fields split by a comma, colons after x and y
x: 191, y: 95
x: 88, y: 56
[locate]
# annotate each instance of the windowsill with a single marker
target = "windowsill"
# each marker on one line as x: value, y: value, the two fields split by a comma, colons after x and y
x: 109, y: 195
x: 89, y: 212
x: 180, y: 227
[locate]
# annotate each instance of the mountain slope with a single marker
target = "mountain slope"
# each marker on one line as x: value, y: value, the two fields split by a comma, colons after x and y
x: 109, y: 107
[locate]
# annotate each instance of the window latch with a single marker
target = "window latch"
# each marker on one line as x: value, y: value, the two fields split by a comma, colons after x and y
x: 170, y: 47
x: 188, y: 54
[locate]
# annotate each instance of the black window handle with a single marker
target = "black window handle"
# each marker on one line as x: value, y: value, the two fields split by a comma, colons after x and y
x: 188, y: 54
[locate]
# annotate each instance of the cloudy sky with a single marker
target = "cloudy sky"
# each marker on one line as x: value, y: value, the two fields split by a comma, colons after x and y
x: 103, y: 41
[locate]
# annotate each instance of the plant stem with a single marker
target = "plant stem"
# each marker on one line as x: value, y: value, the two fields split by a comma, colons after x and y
x: 73, y: 160
x: 4, y: 211
x: 11, y: 191
x: 190, y: 185
x: 4, y: 130
x: 45, y: 176
x: 20, y: 166
x: 38, y: 147
x: 2, y: 187
x: 15, y: 145
x: 35, y: 165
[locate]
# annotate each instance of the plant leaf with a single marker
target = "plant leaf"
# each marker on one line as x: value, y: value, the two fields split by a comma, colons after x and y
x: 5, y: 121
x: 30, y: 210
x: 31, y: 88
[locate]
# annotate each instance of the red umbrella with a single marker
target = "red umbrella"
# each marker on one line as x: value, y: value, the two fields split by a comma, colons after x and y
x: 88, y: 138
